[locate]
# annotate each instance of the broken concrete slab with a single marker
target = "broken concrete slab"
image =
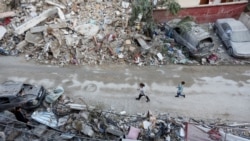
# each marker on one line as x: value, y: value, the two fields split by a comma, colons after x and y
x: 2, y: 31
x: 80, y: 107
x: 39, y: 130
x: 71, y: 40
x: 7, y: 14
x: 55, y: 48
x: 34, y: 38
x: 129, y: 140
x: 143, y: 44
x: 2, y: 136
x: 45, y: 27
x: 87, y: 130
x: 55, y: 4
x: 60, y: 14
x: 88, y: 30
x: 114, y: 131
x: 36, y: 20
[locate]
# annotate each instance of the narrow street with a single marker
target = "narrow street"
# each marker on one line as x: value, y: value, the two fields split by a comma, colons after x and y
x: 211, y: 91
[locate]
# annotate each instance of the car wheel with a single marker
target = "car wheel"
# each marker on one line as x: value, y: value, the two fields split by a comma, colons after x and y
x: 230, y: 51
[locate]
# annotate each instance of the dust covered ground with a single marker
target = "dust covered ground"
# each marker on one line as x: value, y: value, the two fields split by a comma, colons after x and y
x: 211, y: 91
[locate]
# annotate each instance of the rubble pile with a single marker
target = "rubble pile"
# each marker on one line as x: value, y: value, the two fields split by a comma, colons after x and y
x: 60, y: 118
x: 81, y: 32
x: 90, y: 32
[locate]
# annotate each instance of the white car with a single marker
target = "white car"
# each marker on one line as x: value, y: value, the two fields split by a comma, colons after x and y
x: 235, y: 36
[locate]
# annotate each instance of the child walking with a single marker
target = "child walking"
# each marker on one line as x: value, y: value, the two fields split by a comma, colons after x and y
x: 180, y: 89
x: 142, y: 92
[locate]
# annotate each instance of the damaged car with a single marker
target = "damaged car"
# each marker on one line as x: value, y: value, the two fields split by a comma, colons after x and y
x: 235, y: 36
x: 18, y: 94
x: 197, y: 41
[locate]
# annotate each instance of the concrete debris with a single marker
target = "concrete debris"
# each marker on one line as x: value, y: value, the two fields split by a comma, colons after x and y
x: 7, y: 14
x: 88, y: 30
x: 36, y: 20
x: 40, y: 130
x: 54, y: 95
x: 55, y: 4
x: 45, y: 27
x: 91, y: 32
x: 87, y: 130
x: 143, y: 44
x: 48, y: 118
x: 34, y: 38
x: 2, y: 31
x: 71, y: 121
x: 114, y: 131
x: 2, y: 136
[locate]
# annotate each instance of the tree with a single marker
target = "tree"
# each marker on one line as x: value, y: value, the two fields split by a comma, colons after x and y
x: 142, y: 10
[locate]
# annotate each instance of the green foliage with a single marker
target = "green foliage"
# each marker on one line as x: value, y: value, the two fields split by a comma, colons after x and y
x: 185, y: 24
x: 143, y: 7
x: 172, y: 6
x: 247, y: 9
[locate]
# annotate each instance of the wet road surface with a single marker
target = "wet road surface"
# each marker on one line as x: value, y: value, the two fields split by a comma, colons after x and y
x: 211, y: 91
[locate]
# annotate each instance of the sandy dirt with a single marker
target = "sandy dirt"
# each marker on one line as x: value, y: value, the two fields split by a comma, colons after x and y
x: 211, y: 91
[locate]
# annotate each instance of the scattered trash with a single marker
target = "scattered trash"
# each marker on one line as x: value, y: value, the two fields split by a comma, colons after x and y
x: 54, y: 95
x: 93, y: 33
x: 2, y: 31
x: 81, y: 121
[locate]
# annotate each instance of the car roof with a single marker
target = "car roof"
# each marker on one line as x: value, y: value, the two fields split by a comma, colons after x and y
x: 10, y: 88
x: 235, y: 25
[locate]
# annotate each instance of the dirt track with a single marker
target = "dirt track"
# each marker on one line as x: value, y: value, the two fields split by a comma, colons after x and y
x: 212, y: 91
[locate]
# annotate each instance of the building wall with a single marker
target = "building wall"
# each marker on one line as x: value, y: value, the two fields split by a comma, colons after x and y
x: 188, y: 3
x: 193, y: 3
x: 203, y: 13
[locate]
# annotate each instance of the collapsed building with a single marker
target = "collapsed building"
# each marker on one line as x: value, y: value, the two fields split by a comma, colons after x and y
x: 84, y: 32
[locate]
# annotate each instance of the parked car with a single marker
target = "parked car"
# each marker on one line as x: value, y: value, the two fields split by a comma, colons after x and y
x: 235, y: 37
x: 197, y: 40
x: 18, y: 94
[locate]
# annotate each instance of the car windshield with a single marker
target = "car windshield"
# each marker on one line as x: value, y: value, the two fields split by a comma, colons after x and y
x: 240, y: 36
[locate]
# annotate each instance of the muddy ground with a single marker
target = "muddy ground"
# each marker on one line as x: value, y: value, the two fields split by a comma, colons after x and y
x: 211, y: 91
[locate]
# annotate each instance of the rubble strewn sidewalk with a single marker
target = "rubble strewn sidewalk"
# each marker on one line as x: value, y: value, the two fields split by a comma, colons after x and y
x: 61, y: 119
x: 86, y: 32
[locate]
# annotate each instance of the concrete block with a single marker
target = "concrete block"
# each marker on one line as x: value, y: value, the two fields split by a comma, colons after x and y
x: 7, y: 14
x: 39, y: 130
x: 114, y: 131
x: 21, y: 45
x: 43, y: 28
x: 87, y: 130
x: 55, y: 4
x: 36, y: 20
x: 2, y: 32
x: 88, y: 30
x: 33, y: 38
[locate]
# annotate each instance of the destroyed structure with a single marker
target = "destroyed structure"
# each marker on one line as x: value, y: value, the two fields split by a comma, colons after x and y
x: 60, y: 118
x: 94, y: 32
x: 88, y: 32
